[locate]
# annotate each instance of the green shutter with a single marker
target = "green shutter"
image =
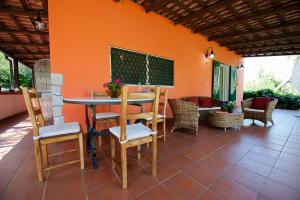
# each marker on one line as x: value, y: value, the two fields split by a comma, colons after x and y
x: 216, y: 82
x: 233, y: 84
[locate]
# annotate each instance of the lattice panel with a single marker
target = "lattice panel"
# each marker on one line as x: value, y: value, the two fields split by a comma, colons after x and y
x: 161, y: 71
x: 138, y: 68
x: 128, y: 66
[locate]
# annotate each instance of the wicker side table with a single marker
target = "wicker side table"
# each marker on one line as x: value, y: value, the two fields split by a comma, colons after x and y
x: 226, y: 120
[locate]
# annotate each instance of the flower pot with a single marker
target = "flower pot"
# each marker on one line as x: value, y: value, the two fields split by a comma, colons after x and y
x: 113, y: 93
x: 230, y: 110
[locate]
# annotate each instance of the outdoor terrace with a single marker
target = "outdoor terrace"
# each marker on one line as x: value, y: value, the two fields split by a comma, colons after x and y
x: 253, y: 163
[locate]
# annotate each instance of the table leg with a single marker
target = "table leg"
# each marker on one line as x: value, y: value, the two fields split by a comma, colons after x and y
x: 92, y: 132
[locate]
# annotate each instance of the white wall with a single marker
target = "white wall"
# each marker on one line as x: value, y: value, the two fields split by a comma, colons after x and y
x: 11, y: 104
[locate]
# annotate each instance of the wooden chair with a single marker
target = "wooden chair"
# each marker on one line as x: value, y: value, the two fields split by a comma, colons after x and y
x: 135, y: 134
x: 161, y: 118
x: 43, y: 135
x: 103, y: 118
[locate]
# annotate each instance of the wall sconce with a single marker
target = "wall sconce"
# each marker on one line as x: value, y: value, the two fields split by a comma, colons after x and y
x: 38, y: 23
x: 210, y: 53
x: 240, y: 65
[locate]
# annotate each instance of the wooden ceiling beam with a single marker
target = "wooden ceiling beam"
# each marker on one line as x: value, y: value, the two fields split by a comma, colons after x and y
x: 5, y: 43
x: 199, y: 13
x: 263, y: 39
x: 23, y: 32
x: 267, y: 46
x: 253, y: 15
x: 272, y: 54
x: 157, y: 4
x: 251, y: 31
x: 32, y: 54
x: 22, y: 12
x: 291, y: 49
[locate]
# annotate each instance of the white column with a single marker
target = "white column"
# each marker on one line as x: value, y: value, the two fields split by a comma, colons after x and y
x: 57, y: 98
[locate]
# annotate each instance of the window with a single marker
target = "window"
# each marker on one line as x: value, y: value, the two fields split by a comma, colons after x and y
x: 141, y: 69
x: 12, y: 77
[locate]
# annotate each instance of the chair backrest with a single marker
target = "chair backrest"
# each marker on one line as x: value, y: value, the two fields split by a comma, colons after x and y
x: 100, y: 94
x: 34, y: 109
x: 126, y: 96
x: 163, y: 103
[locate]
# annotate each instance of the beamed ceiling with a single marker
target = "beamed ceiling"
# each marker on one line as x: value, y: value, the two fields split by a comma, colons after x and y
x: 18, y: 36
x: 248, y: 27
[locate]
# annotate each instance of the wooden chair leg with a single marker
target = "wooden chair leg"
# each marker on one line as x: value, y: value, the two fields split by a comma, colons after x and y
x: 154, y: 155
x: 147, y: 124
x: 124, y: 165
x: 164, y: 129
x: 80, y: 141
x: 38, y: 160
x: 139, y: 149
x: 44, y: 155
x: 113, y: 151
x: 272, y: 122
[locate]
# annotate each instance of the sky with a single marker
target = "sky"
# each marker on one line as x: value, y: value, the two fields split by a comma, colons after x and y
x: 279, y: 66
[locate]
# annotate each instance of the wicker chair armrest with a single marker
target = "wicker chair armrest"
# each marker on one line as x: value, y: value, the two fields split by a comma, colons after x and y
x: 247, y: 103
x: 181, y: 107
x: 271, y: 106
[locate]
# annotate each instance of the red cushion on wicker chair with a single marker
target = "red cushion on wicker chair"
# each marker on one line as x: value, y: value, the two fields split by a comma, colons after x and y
x: 205, y: 102
x: 193, y: 100
x: 260, y: 102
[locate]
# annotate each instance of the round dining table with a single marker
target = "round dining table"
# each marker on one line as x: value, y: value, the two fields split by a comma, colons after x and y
x: 92, y: 102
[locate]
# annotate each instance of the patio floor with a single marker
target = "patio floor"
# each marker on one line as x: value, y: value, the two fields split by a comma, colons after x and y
x: 254, y: 163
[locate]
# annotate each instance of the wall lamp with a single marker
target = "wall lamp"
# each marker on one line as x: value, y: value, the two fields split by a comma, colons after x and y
x: 240, y: 65
x: 210, y: 53
x: 38, y: 23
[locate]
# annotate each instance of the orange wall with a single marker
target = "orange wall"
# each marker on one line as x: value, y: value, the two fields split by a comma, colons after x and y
x: 81, y: 32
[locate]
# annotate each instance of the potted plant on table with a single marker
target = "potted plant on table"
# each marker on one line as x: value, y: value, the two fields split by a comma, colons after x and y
x: 113, y: 88
x: 228, y: 106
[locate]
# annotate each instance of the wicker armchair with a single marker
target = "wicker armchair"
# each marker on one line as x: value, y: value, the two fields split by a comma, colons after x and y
x: 185, y: 114
x: 261, y: 115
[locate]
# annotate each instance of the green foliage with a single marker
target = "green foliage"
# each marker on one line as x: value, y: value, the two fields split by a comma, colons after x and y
x: 25, y: 74
x: 4, y: 72
x: 285, y: 101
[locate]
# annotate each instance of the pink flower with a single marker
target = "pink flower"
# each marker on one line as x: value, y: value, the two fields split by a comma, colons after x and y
x: 105, y: 85
x: 118, y: 81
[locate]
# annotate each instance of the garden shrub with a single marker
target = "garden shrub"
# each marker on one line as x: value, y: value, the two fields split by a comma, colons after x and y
x: 285, y: 101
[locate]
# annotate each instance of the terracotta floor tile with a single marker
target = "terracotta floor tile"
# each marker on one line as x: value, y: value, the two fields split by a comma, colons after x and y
x: 286, y: 178
x: 229, y: 189
x: 194, y: 153
x: 288, y: 166
x: 109, y: 191
x: 209, y: 196
x: 266, y: 151
x: 182, y: 187
x: 32, y: 194
x: 254, y: 166
x: 139, y: 182
x: 216, y: 165
x: 277, y: 191
x: 180, y: 162
x: 157, y: 193
x: 251, y: 180
x: 96, y: 178
x: 201, y: 174
x: 69, y: 186
x: 261, y: 158
x: 164, y: 170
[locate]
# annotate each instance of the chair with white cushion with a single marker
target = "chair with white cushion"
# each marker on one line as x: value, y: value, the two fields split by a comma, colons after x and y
x: 43, y: 135
x: 135, y: 134
x: 161, y: 118
x: 103, y: 118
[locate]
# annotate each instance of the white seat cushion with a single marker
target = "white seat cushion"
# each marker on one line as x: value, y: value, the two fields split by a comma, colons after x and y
x: 211, y: 108
x: 254, y: 110
x: 58, y: 129
x: 106, y: 115
x: 158, y: 117
x: 133, y: 131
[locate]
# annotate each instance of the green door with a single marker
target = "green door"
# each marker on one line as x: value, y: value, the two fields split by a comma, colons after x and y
x: 216, y: 82
x: 233, y: 83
